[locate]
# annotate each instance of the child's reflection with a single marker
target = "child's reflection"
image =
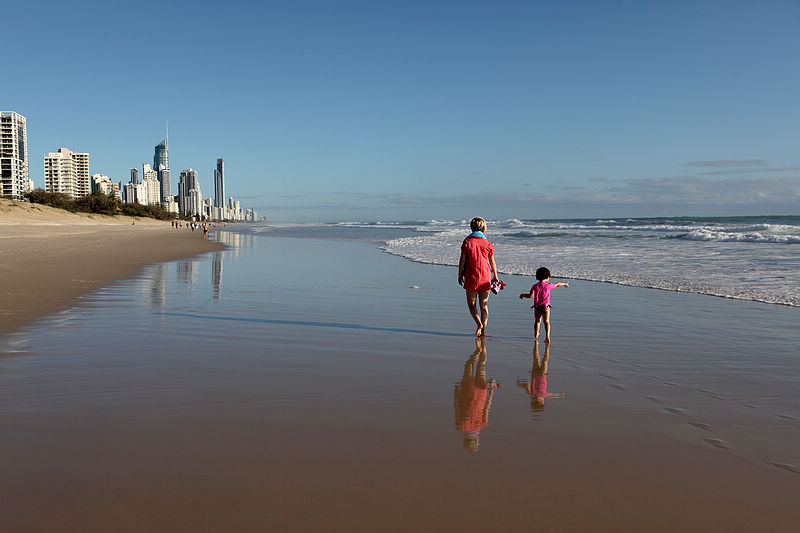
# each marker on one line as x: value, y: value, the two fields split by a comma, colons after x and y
x: 537, y: 386
x: 473, y: 397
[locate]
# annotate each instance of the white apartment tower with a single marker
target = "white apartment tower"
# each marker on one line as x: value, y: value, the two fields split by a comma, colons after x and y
x: 152, y: 187
x: 67, y: 172
x: 14, y: 176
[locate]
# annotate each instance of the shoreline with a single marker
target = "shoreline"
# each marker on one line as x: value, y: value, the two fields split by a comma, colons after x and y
x: 50, y: 257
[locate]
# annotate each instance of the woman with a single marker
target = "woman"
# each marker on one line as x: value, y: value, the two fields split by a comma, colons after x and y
x: 476, y: 272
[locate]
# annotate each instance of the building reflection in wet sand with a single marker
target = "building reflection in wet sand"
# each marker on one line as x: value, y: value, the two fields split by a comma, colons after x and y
x: 187, y: 270
x: 537, y: 385
x: 473, y: 397
x: 216, y: 274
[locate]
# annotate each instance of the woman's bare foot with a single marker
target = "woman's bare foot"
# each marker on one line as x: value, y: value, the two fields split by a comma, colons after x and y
x: 479, y: 332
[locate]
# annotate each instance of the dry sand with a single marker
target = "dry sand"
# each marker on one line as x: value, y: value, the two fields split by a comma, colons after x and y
x: 48, y: 256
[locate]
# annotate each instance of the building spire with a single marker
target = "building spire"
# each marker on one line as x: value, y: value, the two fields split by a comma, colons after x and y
x: 166, y: 139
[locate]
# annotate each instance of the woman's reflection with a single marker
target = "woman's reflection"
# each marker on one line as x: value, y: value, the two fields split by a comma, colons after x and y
x: 537, y: 386
x: 473, y: 397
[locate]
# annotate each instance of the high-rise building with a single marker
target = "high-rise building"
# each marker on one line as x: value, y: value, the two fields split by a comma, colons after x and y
x: 67, y: 172
x: 135, y: 176
x: 14, y: 175
x: 161, y: 155
x: 163, y: 178
x: 151, y: 192
x: 219, y: 184
x: 82, y: 171
x: 190, y: 198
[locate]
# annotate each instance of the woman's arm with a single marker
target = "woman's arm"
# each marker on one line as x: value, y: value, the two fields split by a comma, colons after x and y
x: 494, y: 268
x: 462, y: 261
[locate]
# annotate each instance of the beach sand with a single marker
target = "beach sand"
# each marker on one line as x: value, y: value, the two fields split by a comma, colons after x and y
x: 48, y: 256
x: 301, y: 385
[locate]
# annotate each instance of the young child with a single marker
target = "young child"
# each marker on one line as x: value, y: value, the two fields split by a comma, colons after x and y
x: 541, y: 301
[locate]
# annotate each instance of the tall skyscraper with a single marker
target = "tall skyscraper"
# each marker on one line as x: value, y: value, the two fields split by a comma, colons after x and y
x: 67, y: 172
x: 14, y: 175
x: 161, y: 155
x: 219, y: 184
x: 151, y: 193
x: 189, y: 195
x: 135, y: 176
x: 163, y: 178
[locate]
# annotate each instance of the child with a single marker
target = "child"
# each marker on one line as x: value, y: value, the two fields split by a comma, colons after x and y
x: 541, y: 300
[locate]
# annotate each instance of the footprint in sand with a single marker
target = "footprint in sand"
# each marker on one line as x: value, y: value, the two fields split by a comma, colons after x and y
x: 717, y: 443
x: 751, y: 406
x: 784, y: 466
x: 674, y: 410
x: 700, y: 425
x: 606, y: 376
x: 670, y: 384
x: 618, y: 387
x: 653, y: 399
x: 788, y: 417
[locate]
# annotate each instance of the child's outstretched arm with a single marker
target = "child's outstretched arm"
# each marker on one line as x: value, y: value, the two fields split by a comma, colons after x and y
x: 562, y: 284
x: 526, y: 295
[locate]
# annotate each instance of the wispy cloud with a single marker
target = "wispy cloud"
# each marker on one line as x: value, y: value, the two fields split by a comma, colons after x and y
x: 729, y: 163
x: 753, y: 170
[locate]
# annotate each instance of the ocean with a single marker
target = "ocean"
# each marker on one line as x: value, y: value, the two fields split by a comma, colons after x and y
x: 747, y: 258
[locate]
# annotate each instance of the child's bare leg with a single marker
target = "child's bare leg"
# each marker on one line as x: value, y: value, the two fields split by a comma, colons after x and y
x: 546, y: 319
x: 472, y: 300
x: 537, y: 318
x: 483, y: 298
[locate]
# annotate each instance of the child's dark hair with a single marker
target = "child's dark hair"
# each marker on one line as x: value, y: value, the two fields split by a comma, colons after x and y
x: 542, y: 273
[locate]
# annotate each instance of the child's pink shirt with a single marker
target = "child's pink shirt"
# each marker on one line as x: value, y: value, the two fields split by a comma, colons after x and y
x: 541, y: 293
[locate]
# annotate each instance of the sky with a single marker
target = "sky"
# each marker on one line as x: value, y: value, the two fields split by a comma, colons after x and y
x: 406, y: 110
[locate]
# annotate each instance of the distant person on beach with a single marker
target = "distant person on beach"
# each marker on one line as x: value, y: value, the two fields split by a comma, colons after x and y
x: 472, y: 397
x: 541, y: 301
x: 205, y: 230
x: 476, y: 272
x: 537, y: 386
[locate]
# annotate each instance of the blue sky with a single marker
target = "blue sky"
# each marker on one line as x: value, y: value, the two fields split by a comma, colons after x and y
x: 426, y: 110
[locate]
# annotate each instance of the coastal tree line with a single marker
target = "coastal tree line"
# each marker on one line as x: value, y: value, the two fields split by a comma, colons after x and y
x: 97, y: 202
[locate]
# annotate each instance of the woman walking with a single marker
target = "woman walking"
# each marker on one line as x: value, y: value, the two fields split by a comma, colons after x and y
x: 476, y: 272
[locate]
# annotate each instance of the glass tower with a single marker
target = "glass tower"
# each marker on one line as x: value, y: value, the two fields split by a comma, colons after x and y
x: 219, y: 184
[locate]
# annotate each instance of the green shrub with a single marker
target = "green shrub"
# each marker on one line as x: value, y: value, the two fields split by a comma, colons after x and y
x: 97, y: 202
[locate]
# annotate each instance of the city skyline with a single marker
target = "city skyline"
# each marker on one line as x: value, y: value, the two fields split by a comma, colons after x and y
x: 68, y: 172
x: 420, y: 111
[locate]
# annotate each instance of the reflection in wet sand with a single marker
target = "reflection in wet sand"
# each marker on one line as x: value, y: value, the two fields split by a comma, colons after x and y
x: 537, y: 385
x: 158, y: 284
x: 187, y: 271
x: 473, y: 397
x: 216, y: 274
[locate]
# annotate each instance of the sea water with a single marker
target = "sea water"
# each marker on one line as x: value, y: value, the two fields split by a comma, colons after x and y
x: 749, y: 258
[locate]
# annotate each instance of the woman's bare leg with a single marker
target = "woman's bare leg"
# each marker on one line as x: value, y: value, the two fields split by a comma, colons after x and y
x: 472, y: 300
x: 483, y: 299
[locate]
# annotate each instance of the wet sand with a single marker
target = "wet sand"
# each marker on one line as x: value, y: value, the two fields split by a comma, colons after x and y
x: 49, y: 257
x: 301, y: 385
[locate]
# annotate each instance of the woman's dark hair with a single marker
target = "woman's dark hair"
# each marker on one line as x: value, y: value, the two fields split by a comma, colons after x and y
x: 542, y: 273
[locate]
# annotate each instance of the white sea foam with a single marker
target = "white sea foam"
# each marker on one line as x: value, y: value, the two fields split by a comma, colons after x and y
x: 721, y: 258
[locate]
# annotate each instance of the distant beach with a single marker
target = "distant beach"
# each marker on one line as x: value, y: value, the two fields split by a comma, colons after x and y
x: 302, y: 384
x: 49, y: 257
